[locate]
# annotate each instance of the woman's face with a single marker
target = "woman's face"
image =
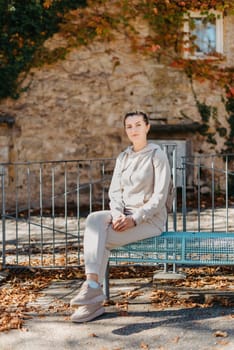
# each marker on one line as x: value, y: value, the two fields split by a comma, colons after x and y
x: 136, y: 129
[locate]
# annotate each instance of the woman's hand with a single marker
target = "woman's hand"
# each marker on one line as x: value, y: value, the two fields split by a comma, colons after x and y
x: 123, y: 223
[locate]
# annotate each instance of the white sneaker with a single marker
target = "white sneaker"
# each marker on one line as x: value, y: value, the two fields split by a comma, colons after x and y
x: 87, y: 313
x: 88, y: 295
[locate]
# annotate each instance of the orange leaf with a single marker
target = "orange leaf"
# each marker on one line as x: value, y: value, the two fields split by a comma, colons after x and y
x: 220, y: 334
x: 47, y: 4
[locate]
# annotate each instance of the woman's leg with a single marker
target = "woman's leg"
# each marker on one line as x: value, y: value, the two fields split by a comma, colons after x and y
x: 99, y: 239
x: 112, y: 239
x: 95, y: 237
x: 94, y: 248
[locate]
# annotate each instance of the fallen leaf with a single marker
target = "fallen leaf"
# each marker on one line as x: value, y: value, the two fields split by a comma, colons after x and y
x: 176, y: 339
x: 93, y: 335
x: 132, y: 294
x: 222, y: 342
x: 122, y: 305
x: 220, y: 334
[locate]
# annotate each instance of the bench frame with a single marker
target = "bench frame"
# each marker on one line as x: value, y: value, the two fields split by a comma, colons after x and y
x: 177, y: 248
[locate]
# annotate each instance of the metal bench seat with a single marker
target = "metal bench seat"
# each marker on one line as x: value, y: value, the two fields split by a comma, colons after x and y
x: 177, y: 248
x: 196, y: 248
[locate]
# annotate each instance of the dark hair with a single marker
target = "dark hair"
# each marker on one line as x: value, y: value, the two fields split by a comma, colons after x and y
x: 131, y: 114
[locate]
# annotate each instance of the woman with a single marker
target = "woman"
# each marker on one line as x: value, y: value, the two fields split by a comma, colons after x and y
x: 138, y: 194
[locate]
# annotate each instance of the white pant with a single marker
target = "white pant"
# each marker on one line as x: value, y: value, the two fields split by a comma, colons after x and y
x: 100, y: 238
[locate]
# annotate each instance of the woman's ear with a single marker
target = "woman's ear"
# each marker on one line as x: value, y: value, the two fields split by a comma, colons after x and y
x: 148, y: 128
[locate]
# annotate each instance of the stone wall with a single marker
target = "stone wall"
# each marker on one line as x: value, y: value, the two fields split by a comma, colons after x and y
x: 73, y: 109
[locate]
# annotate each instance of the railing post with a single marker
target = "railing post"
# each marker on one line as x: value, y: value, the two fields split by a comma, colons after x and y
x: 213, y: 191
x: 174, y: 176
x: 226, y: 192
x: 172, y: 157
x: 106, y: 287
x: 199, y: 193
x: 184, y: 208
x: 103, y: 184
x: 2, y: 175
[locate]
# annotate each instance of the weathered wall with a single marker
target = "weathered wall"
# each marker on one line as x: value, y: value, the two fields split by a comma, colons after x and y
x: 74, y: 108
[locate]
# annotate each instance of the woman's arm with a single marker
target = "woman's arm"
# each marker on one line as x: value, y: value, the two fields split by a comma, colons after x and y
x: 115, y: 192
x: 156, y: 203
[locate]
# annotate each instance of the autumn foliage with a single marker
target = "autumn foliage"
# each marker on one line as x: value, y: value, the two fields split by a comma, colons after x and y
x: 23, y: 287
x: 24, y: 28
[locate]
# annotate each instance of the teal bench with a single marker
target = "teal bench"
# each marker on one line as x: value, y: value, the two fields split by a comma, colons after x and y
x: 177, y: 248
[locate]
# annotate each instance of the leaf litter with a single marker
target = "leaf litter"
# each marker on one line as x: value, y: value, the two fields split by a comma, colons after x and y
x: 23, y: 287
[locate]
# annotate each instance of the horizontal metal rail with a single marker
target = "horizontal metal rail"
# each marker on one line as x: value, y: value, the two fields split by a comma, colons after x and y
x: 44, y: 206
x: 44, y: 227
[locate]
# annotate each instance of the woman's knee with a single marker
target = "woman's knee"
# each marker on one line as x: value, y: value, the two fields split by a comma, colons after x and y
x: 102, y: 216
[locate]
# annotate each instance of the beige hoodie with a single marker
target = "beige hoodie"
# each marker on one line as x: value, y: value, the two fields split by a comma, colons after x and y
x: 139, y: 185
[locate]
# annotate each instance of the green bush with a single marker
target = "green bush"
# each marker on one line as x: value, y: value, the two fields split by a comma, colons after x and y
x: 24, y: 26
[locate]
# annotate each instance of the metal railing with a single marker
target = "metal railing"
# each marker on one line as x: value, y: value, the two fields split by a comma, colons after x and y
x: 208, y: 193
x: 44, y: 204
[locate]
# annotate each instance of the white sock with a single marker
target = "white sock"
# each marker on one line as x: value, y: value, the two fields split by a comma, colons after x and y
x: 92, y: 284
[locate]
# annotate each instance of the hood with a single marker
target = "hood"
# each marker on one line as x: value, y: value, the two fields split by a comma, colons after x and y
x: 148, y: 148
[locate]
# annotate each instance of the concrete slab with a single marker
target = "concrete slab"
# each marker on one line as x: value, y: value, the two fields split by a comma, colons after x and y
x: 142, y: 327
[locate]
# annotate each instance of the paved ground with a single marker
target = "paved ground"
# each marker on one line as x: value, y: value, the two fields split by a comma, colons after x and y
x: 142, y: 327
